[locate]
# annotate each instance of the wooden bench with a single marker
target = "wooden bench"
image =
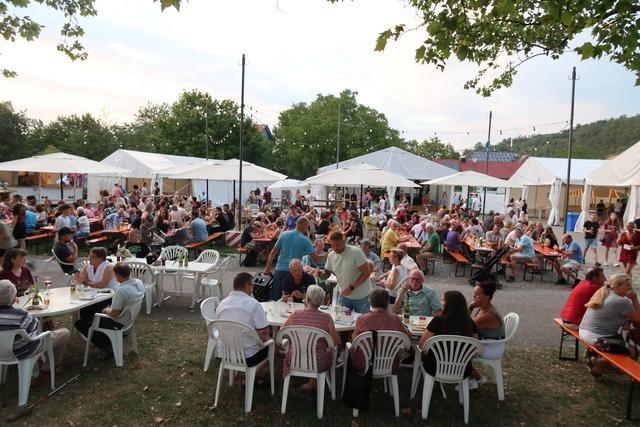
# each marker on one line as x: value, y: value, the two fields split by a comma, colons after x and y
x: 533, y: 268
x: 96, y: 240
x: 37, y: 238
x: 196, y: 246
x: 624, y: 363
x: 461, y: 261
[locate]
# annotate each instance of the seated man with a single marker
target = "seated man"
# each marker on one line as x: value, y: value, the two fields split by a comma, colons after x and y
x: 129, y: 291
x: 240, y: 306
x: 113, y: 220
x: 421, y: 300
x: 255, y: 229
x: 12, y: 318
x: 366, y: 246
x: 136, y: 246
x: 521, y: 253
x: 66, y: 250
x: 494, y: 237
x: 222, y: 221
x: 198, y: 228
x: 571, y: 259
x: 296, y: 284
x: 430, y: 247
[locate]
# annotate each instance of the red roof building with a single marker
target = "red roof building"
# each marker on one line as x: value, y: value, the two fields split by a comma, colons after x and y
x: 499, y: 167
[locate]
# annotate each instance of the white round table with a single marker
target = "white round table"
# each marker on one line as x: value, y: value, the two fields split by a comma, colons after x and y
x: 61, y: 302
x: 278, y: 312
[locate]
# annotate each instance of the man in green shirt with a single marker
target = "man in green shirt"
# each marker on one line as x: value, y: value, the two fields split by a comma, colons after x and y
x: 350, y: 267
x: 430, y: 248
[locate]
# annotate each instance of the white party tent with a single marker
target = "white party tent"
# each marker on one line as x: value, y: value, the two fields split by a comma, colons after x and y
x: 398, y: 162
x: 150, y: 167
x: 543, y: 180
x: 623, y: 171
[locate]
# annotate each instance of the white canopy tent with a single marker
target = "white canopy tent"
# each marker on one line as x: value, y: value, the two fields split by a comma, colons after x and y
x: 621, y: 171
x: 548, y: 175
x: 469, y: 178
x: 277, y: 188
x: 359, y: 176
x: 398, y: 162
x: 61, y: 163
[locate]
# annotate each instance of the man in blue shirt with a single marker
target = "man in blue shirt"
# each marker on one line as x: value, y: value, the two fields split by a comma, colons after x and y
x: 291, y: 244
x: 30, y: 220
x: 198, y: 228
x: 521, y: 253
x: 571, y: 260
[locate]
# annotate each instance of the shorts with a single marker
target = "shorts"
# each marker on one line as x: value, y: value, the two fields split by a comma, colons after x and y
x: 521, y: 258
x: 20, y: 231
x: 590, y: 243
x: 358, y: 305
x: 570, y: 263
x: 258, y: 357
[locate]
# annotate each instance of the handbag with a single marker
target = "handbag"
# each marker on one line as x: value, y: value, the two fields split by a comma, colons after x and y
x: 357, y: 387
x: 615, y: 344
x: 262, y: 286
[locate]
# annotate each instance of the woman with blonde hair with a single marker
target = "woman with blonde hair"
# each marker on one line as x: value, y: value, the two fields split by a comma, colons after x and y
x: 607, y: 311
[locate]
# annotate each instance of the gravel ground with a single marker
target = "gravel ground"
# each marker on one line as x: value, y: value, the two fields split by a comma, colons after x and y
x: 536, y: 302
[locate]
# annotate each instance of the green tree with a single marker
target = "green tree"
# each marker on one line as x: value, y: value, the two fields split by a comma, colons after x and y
x: 433, y: 148
x: 80, y: 135
x: 306, y: 135
x: 183, y: 127
x: 14, y: 24
x: 500, y: 35
x: 14, y: 127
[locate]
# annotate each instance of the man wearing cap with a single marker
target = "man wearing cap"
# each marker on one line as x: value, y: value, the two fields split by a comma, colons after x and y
x: 366, y: 246
x: 66, y: 250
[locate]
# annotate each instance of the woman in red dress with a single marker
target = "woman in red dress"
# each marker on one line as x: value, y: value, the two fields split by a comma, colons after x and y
x: 610, y: 237
x: 629, y: 244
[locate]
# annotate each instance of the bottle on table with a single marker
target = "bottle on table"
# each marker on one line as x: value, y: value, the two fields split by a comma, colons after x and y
x: 47, y: 295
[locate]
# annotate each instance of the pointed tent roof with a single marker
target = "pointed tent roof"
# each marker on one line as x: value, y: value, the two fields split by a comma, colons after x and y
x: 398, y: 162
x: 59, y: 163
x: 360, y: 174
x: 472, y: 178
x: 621, y: 171
x: 145, y: 165
x: 545, y: 170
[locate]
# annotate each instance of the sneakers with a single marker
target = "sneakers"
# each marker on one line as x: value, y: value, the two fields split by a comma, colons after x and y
x: 482, y: 380
x: 474, y: 384
x: 617, y: 264
x: 511, y: 279
x: 606, y: 264
x: 561, y: 281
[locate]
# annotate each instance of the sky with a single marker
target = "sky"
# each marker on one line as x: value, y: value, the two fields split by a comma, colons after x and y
x: 295, y: 49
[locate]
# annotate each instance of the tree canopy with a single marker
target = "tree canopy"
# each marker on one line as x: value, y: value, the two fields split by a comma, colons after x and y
x: 307, y: 134
x: 433, y: 148
x: 500, y: 35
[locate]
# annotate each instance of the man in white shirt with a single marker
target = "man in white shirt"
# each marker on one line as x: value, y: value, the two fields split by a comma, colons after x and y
x: 476, y: 204
x: 240, y: 306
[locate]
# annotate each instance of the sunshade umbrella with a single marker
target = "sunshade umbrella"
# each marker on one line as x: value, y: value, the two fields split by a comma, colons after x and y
x: 227, y: 170
x: 287, y: 184
x: 362, y: 174
x: 61, y: 163
x: 471, y: 178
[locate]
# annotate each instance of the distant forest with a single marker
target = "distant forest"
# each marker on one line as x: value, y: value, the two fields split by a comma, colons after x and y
x: 598, y: 140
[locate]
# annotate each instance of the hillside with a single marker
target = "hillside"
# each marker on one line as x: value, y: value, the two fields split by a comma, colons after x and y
x: 597, y: 140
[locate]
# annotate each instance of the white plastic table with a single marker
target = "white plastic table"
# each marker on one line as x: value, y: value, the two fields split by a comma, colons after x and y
x: 278, y: 312
x: 61, y: 302
x: 195, y: 268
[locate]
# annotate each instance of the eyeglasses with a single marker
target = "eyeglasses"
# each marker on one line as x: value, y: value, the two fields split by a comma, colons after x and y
x: 416, y: 278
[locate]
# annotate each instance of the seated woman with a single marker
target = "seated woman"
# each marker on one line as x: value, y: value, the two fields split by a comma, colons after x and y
x: 378, y: 319
x: 393, y: 277
x: 454, y: 320
x: 311, y: 316
x: 296, y: 283
x: 608, y: 310
x: 548, y: 239
x: 575, y: 306
x: 97, y: 274
x: 13, y: 270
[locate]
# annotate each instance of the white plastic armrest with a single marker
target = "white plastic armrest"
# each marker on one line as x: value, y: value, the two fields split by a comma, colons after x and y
x: 42, y: 335
x: 267, y: 343
x: 96, y: 319
x: 284, y: 343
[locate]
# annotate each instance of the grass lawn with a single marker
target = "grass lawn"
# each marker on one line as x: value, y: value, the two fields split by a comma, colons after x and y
x: 165, y: 384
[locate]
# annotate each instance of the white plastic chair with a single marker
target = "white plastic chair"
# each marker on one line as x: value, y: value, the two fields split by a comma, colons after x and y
x: 116, y: 336
x: 253, y: 209
x: 511, y: 322
x: 213, y: 279
x: 401, y: 283
x: 452, y: 354
x: 388, y: 345
x: 302, y: 342
x: 59, y: 261
x: 208, y: 311
x: 231, y: 336
x: 171, y: 253
x: 25, y: 366
x: 209, y: 255
x: 80, y: 264
x: 142, y: 271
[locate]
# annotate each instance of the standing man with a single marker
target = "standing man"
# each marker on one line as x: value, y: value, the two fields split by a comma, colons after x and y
x: 350, y: 266
x: 291, y: 244
x: 591, y: 227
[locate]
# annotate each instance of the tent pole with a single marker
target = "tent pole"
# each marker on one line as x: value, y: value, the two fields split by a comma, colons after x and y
x: 361, y: 186
x: 566, y: 199
x: 61, y: 189
x: 241, y: 148
x: 486, y: 170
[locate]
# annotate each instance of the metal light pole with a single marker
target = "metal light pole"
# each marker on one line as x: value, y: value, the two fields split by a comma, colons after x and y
x: 486, y: 170
x: 566, y: 199
x: 206, y: 141
x: 241, y: 148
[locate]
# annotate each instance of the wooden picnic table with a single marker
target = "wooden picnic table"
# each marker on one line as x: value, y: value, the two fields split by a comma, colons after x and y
x: 412, y: 243
x: 475, y: 247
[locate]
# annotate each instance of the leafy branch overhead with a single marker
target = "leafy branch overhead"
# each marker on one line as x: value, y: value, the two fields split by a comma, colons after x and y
x: 500, y: 35
x: 15, y: 23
